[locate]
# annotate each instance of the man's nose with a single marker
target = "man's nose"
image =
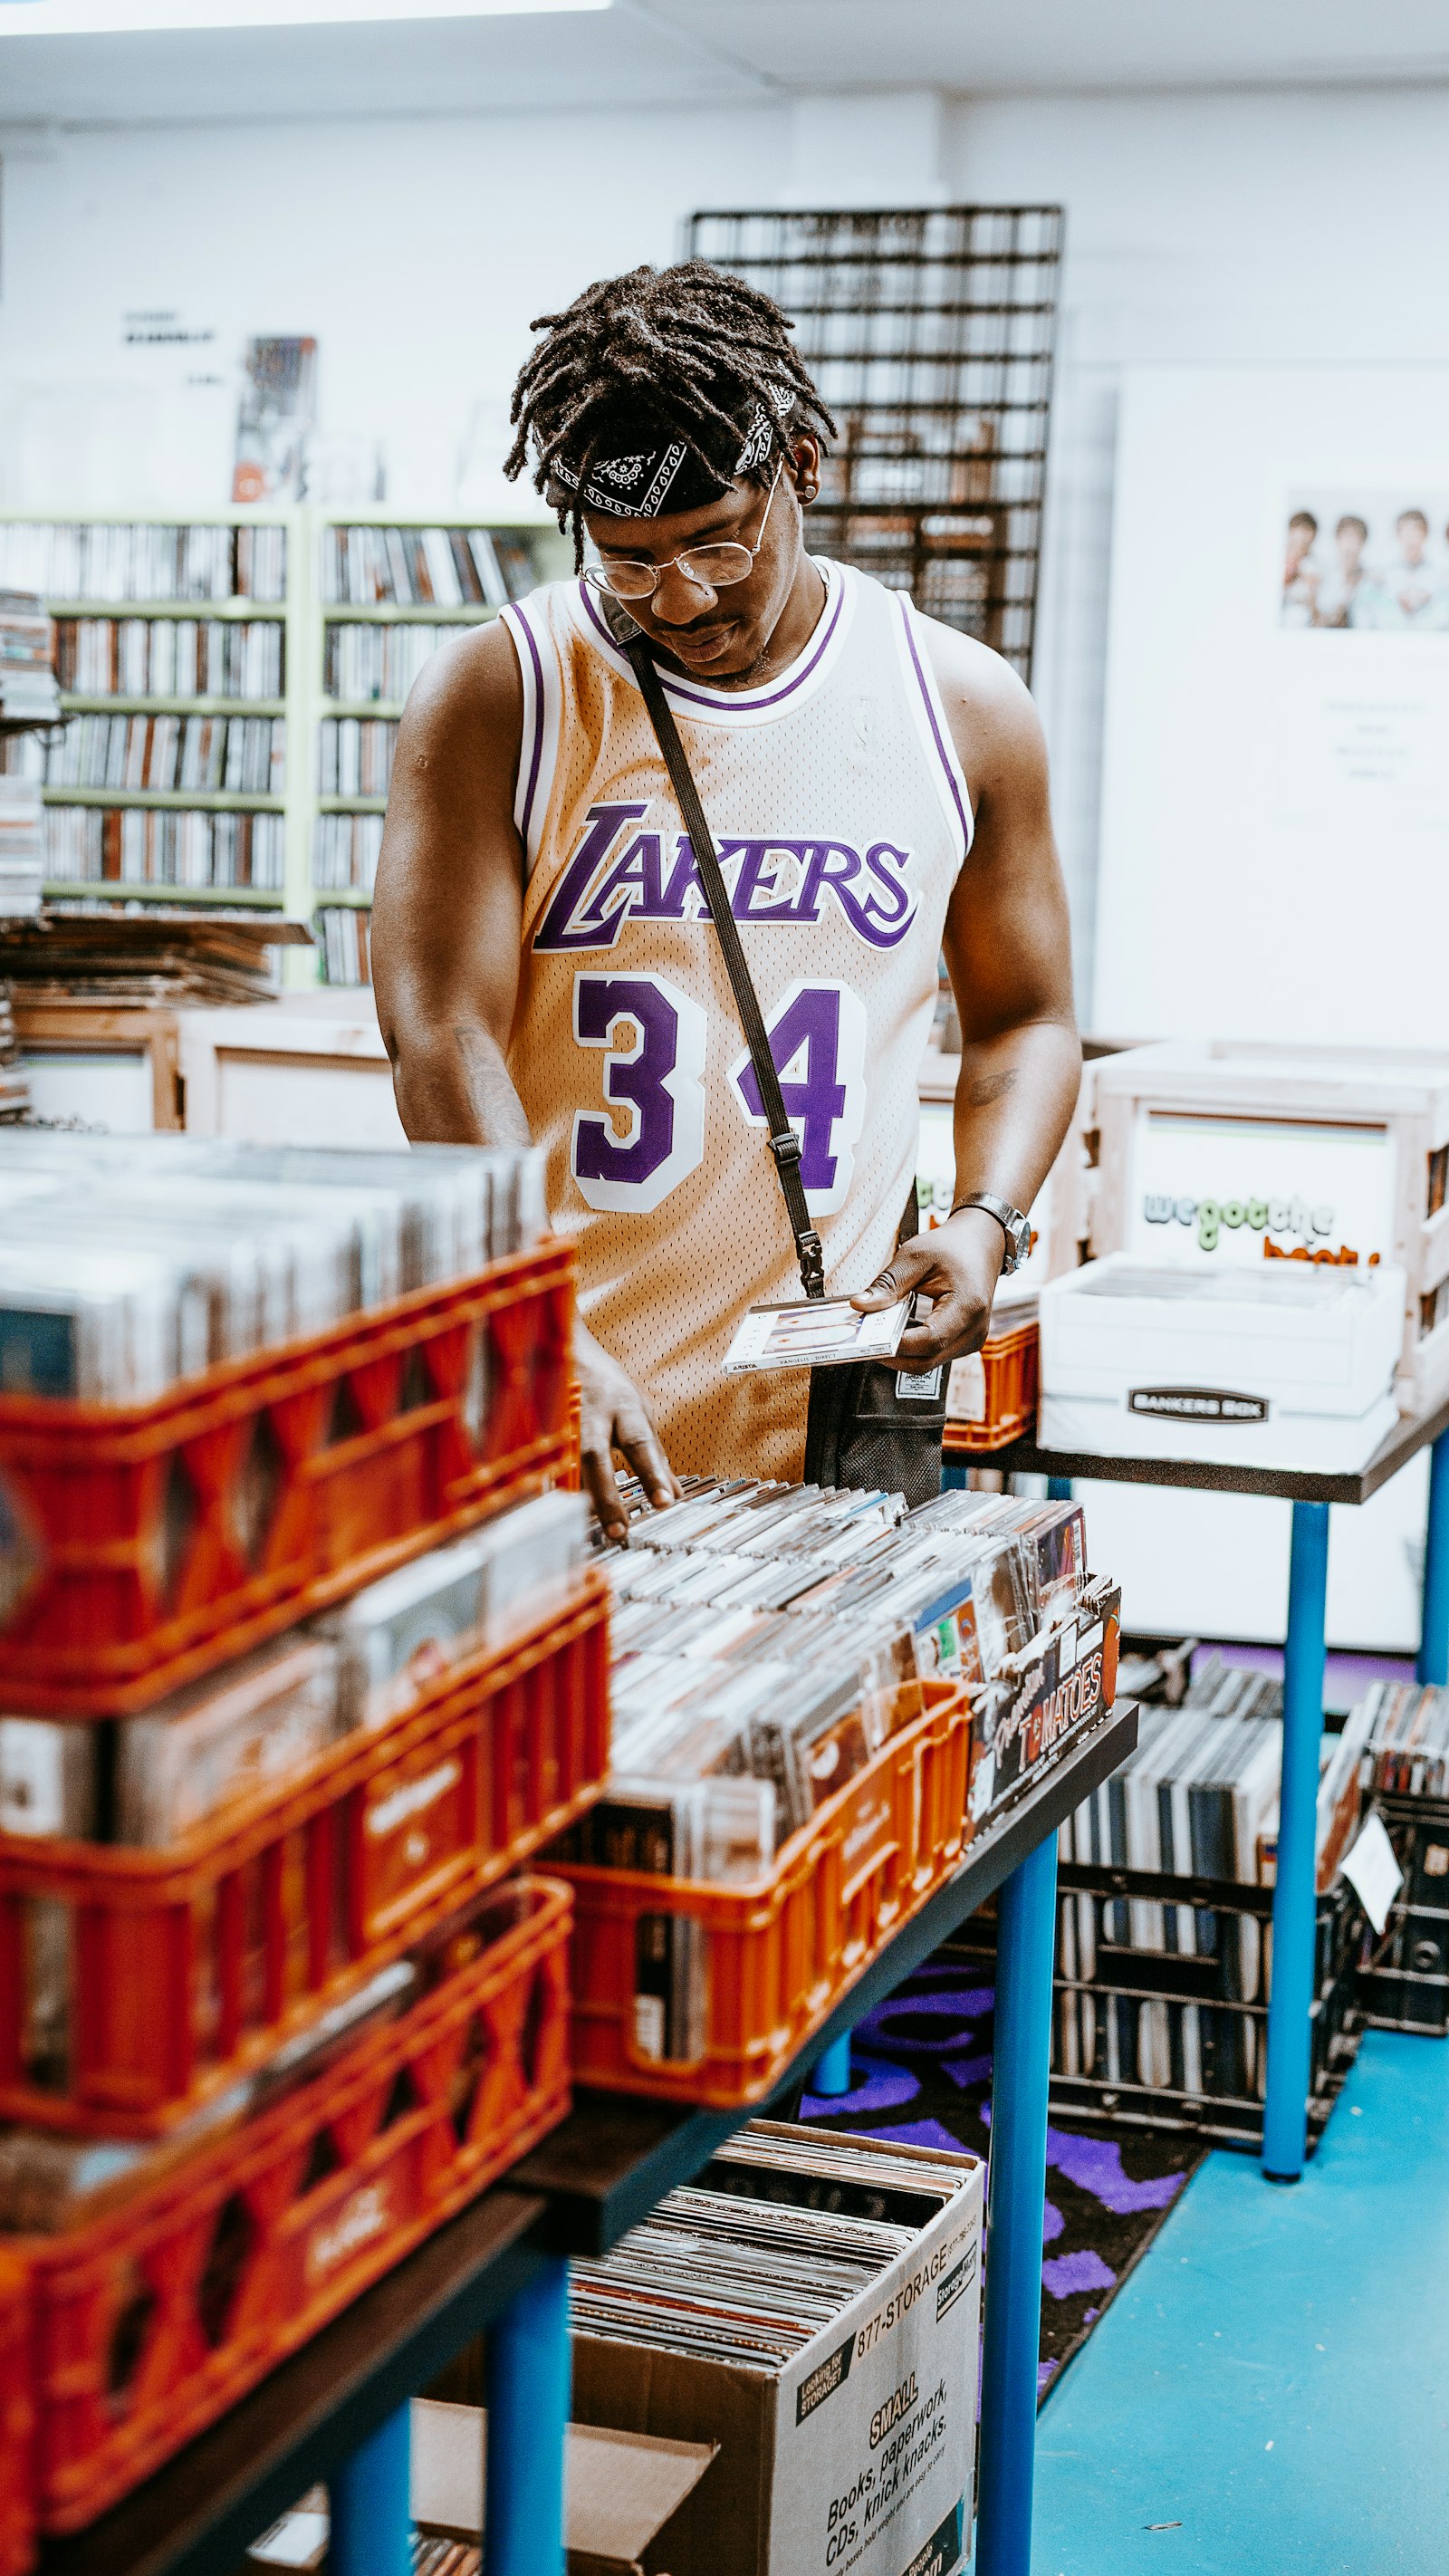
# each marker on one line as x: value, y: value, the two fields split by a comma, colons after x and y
x: 678, y: 597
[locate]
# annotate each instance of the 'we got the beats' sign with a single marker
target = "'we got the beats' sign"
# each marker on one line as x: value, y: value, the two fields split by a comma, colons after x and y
x: 1245, y: 1189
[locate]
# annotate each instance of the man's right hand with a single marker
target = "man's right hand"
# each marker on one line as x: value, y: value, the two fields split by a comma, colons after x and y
x: 613, y: 1416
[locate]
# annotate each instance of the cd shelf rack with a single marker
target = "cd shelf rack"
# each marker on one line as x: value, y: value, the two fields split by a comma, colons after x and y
x: 306, y: 617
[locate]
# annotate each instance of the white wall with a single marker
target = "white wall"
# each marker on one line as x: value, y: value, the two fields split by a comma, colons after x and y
x: 1300, y: 228
x: 418, y: 251
x: 1307, y: 228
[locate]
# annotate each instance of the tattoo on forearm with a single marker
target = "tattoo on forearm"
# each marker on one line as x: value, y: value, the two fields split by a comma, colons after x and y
x: 990, y: 1087
x: 499, y: 1108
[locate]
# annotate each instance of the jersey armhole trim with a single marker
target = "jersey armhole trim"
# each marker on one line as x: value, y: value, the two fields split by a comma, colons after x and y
x: 538, y: 748
x: 929, y: 712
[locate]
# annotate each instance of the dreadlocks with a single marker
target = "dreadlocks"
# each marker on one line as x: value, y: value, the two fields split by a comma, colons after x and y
x: 689, y: 359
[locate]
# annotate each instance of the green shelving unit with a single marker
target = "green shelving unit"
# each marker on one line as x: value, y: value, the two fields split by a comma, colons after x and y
x: 308, y: 617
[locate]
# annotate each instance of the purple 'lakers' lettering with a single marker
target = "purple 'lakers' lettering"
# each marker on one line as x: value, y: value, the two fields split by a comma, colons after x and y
x: 605, y: 823
x: 604, y: 886
x: 634, y: 883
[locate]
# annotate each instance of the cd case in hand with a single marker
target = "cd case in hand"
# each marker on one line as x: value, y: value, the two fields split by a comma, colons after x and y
x: 823, y: 1332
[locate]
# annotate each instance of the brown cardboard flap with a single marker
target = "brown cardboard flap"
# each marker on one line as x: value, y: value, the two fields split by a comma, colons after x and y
x: 619, y: 2488
x: 682, y: 2398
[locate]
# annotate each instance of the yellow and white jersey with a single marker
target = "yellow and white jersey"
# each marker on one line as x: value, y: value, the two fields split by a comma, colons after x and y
x: 841, y: 818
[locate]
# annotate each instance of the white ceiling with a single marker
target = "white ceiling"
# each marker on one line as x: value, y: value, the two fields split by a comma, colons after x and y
x: 729, y: 51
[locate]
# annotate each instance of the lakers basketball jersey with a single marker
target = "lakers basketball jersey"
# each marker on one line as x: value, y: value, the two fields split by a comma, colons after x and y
x: 841, y: 818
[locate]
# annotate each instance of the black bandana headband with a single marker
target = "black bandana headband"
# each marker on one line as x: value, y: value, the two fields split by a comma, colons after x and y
x: 674, y: 475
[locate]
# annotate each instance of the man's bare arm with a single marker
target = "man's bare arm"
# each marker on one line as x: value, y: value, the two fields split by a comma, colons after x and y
x: 447, y: 936
x: 447, y: 916
x: 1007, y: 946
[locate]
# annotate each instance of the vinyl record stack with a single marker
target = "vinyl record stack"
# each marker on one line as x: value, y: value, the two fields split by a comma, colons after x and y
x: 1164, y: 1939
x: 14, y: 1087
x: 300, y: 1659
x: 1405, y: 1980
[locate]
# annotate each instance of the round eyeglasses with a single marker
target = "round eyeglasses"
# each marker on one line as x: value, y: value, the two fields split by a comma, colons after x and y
x: 708, y: 567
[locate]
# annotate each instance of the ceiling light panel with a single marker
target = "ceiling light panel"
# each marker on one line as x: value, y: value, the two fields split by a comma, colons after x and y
x: 133, y: 17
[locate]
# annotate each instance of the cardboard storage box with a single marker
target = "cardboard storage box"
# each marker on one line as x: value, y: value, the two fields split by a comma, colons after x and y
x: 621, y: 2491
x: 860, y: 2452
x: 1287, y: 1365
x: 1211, y: 1152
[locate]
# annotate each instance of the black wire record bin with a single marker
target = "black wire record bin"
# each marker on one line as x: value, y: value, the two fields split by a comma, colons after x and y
x: 1160, y: 2018
x: 930, y: 332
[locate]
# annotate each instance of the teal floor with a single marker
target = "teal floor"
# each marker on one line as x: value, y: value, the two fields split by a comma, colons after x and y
x: 1270, y: 2389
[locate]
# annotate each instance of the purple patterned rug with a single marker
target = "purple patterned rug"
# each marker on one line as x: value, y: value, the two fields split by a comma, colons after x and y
x: 921, y: 2072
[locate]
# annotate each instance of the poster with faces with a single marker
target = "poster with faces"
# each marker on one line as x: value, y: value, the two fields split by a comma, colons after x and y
x: 1274, y: 857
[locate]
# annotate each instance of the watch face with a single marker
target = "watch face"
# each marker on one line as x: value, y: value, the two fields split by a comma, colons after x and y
x: 1018, y: 1237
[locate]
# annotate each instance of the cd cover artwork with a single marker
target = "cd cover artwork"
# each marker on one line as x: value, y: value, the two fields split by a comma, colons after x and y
x: 823, y: 1333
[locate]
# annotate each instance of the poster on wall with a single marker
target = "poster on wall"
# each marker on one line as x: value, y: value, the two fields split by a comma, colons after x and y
x: 278, y: 407
x: 1275, y: 819
x: 1274, y: 865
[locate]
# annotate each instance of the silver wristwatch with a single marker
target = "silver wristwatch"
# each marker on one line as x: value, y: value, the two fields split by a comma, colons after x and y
x: 1013, y: 1224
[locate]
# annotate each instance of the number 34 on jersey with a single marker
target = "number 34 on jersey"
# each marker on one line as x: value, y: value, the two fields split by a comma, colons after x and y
x: 652, y: 1041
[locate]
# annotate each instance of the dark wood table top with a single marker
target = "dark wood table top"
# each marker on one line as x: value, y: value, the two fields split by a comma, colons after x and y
x: 1288, y: 1484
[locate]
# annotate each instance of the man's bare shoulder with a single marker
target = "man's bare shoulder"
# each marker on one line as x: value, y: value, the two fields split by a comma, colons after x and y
x: 990, y: 710
x: 471, y: 680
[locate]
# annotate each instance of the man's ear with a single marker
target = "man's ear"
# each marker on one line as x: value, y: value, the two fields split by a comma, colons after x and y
x: 805, y: 469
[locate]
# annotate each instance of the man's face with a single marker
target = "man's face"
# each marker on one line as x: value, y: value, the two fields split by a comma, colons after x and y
x: 1412, y: 535
x: 722, y: 633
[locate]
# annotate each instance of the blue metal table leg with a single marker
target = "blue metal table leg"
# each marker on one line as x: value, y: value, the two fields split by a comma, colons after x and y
x: 1026, y: 1941
x: 1285, y: 2115
x: 371, y: 2510
x: 832, y: 2074
x: 527, y: 2390
x: 1433, y: 1664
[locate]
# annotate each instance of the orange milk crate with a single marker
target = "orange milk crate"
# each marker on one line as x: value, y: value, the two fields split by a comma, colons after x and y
x: 155, y: 2316
x: 775, y: 1958
x: 151, y: 1542
x: 17, y: 2421
x: 189, y: 1965
x: 1009, y: 1363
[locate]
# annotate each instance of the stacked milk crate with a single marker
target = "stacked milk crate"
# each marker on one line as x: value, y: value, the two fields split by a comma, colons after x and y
x: 1405, y: 1980
x: 299, y: 1659
x: 1164, y: 1939
x: 819, y: 1699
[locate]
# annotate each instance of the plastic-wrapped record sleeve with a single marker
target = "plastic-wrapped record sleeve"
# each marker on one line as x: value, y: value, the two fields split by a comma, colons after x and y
x: 49, y: 1777
x: 397, y: 1636
x: 346, y: 1229
x: 251, y: 1727
x: 103, y: 1325
x: 149, y: 1780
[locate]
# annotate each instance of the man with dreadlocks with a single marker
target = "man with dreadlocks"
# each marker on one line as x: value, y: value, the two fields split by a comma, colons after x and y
x: 876, y: 786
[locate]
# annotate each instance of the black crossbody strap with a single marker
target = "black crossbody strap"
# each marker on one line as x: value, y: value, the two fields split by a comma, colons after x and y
x: 784, y: 1143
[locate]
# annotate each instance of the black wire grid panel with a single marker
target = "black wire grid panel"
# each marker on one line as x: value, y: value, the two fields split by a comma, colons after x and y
x: 930, y: 334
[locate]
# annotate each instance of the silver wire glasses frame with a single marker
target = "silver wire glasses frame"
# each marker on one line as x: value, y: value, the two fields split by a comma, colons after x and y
x: 708, y: 567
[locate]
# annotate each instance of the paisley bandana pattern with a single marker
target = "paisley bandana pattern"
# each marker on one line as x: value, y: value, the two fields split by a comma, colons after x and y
x: 647, y: 482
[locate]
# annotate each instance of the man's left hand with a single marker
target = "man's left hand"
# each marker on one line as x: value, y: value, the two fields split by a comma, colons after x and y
x: 957, y: 1265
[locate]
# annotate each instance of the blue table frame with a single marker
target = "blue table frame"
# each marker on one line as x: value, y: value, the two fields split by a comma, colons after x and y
x: 338, y: 2410
x: 1285, y: 2116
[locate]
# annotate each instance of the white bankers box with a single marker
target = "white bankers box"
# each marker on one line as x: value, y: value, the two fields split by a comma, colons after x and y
x: 1290, y: 1365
